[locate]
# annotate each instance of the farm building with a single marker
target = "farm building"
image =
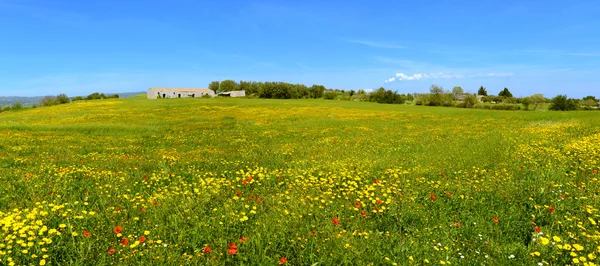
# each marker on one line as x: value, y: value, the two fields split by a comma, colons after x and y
x: 233, y: 94
x: 154, y: 93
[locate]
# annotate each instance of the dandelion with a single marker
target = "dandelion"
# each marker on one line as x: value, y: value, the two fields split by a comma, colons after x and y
x: 556, y: 239
x: 544, y: 241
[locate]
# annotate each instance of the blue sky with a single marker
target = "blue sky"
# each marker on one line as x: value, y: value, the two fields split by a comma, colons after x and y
x: 78, y: 47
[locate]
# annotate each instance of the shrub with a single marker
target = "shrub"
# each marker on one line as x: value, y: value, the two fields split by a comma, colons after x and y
x: 501, y: 106
x: 48, y: 101
x: 62, y: 99
x: 561, y: 103
x: 17, y: 106
x: 469, y: 101
x: 330, y: 95
x: 77, y: 98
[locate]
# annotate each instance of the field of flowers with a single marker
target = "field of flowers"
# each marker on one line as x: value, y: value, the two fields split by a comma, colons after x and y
x: 298, y: 182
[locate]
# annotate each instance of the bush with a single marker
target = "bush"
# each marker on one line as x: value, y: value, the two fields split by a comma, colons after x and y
x: 77, y: 98
x: 501, y: 106
x: 561, y: 103
x: 469, y: 101
x: 48, y: 101
x: 330, y: 95
x: 62, y: 99
x: 17, y: 106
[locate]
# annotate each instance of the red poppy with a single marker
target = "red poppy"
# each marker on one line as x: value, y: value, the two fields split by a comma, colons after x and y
x: 111, y: 251
x: 249, y: 178
x: 376, y: 209
x: 537, y: 229
x: 206, y: 250
x: 142, y: 239
x: 357, y: 204
x: 551, y: 208
x: 244, y: 182
x: 456, y: 224
x: 145, y: 177
x: 432, y: 197
x: 376, y: 181
x: 283, y: 260
x: 495, y: 219
x: 239, y: 192
x: 86, y: 234
x: 363, y: 213
x: 379, y: 202
x: 243, y: 239
x: 448, y: 194
x: 117, y: 229
x: 232, y: 249
x: 595, y: 172
x: 335, y: 221
x: 442, y: 174
x: 259, y: 199
x: 124, y: 242
x: 312, y: 233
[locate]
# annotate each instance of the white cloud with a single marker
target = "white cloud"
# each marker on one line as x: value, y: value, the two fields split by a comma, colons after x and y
x: 420, y: 76
x: 368, y: 90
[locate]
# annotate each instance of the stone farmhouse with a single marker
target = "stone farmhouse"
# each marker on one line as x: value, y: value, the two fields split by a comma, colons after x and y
x: 154, y: 93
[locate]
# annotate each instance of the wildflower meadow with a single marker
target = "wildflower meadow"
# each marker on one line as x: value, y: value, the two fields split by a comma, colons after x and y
x: 296, y: 182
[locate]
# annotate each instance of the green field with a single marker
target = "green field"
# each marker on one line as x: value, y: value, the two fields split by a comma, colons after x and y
x: 313, y: 181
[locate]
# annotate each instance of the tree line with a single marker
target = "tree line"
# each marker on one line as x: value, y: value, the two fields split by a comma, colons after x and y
x: 269, y: 90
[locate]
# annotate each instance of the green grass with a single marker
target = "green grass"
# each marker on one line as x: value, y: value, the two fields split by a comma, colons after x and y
x: 180, y: 169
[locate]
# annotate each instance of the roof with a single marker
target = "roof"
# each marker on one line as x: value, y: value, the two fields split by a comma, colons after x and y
x: 182, y: 89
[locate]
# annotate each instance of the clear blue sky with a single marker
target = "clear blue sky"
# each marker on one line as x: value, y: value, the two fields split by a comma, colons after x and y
x: 78, y: 47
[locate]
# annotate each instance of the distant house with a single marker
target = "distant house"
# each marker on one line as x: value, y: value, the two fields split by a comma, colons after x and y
x: 154, y: 93
x: 233, y: 94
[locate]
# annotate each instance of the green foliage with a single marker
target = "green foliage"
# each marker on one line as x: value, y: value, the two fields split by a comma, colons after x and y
x: 469, y: 101
x: 229, y: 85
x: 62, y: 99
x: 458, y: 90
x: 525, y: 101
x: 562, y: 103
x: 330, y: 95
x: 48, y: 101
x: 505, y: 93
x: 499, y: 106
x: 214, y: 86
x: 77, y: 98
x: 482, y: 91
x: 537, y: 99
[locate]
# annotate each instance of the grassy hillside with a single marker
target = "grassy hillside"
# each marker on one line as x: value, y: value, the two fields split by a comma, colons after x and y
x: 249, y: 181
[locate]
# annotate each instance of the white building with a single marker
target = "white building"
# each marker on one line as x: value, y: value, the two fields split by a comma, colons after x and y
x: 154, y: 93
x: 233, y: 94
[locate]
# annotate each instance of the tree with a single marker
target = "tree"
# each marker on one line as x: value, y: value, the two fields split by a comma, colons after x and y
x: 435, y: 89
x: 505, y: 93
x: 482, y: 91
x: 62, y: 99
x: 316, y: 91
x: 561, y: 103
x: 590, y: 98
x: 457, y: 90
x: 214, y: 86
x: 537, y: 99
x: 229, y: 85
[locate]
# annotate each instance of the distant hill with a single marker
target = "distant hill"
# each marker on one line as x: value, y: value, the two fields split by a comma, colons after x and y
x: 29, y: 101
